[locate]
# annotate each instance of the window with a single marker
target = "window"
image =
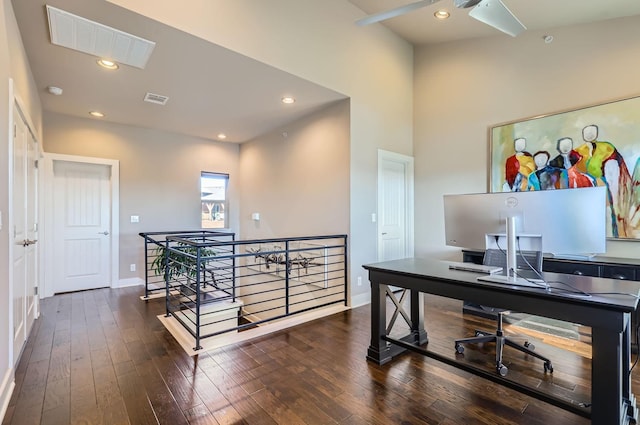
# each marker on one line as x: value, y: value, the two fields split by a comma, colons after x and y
x: 213, y: 196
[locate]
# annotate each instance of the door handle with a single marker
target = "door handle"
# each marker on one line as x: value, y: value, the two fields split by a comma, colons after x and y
x: 103, y: 233
x: 384, y: 233
x: 27, y: 242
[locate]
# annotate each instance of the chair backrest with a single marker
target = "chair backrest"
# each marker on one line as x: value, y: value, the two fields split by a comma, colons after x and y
x: 496, y: 257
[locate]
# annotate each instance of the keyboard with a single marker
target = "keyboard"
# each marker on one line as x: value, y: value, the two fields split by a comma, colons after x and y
x: 472, y: 267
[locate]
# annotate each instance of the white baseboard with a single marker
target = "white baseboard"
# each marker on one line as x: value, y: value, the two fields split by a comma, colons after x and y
x: 133, y: 281
x: 361, y: 299
x: 6, y: 390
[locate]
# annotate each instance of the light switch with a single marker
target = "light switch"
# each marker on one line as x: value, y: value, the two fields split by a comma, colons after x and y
x: 135, y: 218
x: 373, y: 217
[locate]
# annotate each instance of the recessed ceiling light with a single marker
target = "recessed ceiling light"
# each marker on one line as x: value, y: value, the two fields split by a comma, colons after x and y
x: 105, y: 63
x: 56, y: 91
x: 288, y: 100
x: 222, y: 136
x: 441, y: 14
x: 96, y: 114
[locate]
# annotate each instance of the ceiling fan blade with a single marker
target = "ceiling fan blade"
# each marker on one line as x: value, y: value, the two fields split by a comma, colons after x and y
x: 497, y: 15
x: 392, y: 13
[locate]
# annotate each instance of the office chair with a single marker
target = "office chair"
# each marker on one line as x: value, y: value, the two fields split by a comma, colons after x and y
x: 498, y: 258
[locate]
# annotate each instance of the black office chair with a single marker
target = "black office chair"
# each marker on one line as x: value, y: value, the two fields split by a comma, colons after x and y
x: 492, y: 258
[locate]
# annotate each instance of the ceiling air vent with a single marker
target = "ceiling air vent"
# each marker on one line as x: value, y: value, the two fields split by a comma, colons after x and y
x: 156, y: 98
x: 77, y: 33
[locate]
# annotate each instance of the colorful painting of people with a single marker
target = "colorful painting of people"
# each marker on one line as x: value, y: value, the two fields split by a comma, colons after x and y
x: 592, y: 163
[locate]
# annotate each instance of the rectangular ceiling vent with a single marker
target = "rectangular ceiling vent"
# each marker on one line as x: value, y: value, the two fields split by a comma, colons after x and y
x: 77, y: 33
x: 156, y: 98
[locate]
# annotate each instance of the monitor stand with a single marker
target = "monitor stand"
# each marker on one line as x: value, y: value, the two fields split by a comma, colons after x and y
x: 511, y: 277
x: 512, y: 280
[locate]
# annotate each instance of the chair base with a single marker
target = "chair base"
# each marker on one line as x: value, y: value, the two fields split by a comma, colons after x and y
x: 500, y: 340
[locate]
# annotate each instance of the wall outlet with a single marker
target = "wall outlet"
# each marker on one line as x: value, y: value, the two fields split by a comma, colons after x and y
x: 132, y: 267
x: 359, y: 280
x: 135, y: 219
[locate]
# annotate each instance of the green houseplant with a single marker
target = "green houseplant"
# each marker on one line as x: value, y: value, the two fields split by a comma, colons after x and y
x: 179, y: 264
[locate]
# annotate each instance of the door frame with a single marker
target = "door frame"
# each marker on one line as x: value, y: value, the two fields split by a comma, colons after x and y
x: 387, y: 156
x: 48, y: 287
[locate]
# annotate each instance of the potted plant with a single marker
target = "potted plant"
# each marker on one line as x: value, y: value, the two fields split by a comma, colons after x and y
x: 179, y: 264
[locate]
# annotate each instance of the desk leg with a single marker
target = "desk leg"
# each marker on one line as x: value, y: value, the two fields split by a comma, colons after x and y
x: 627, y: 394
x: 607, y: 404
x: 417, y: 318
x: 379, y: 350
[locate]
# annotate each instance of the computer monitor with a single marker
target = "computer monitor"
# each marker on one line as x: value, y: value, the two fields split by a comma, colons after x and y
x: 567, y: 221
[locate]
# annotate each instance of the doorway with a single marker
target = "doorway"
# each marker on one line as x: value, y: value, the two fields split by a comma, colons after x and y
x: 395, y: 206
x: 81, y: 223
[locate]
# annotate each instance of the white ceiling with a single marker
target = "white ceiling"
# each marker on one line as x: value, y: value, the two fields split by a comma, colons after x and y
x: 420, y: 26
x: 212, y: 89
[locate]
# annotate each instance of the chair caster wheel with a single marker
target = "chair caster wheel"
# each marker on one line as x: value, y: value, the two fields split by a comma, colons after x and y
x: 548, y: 367
x: 529, y: 345
x: 502, y: 370
x: 459, y: 349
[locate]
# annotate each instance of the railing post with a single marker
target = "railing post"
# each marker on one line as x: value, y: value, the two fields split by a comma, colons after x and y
x: 233, y: 268
x: 346, y: 270
x: 198, y: 267
x: 166, y: 277
x: 286, y: 276
x: 146, y: 267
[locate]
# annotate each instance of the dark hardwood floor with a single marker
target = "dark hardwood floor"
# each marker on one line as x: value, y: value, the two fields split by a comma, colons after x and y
x: 102, y: 357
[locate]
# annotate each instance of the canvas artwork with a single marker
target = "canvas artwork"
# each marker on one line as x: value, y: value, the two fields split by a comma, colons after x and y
x: 593, y: 146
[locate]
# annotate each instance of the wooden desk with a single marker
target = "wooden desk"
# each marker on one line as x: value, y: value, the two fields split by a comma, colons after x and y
x: 612, y: 401
x: 598, y: 266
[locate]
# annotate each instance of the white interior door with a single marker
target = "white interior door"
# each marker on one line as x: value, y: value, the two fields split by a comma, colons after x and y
x: 24, y: 221
x: 31, y: 254
x: 81, y: 226
x: 395, y: 206
x: 19, y: 292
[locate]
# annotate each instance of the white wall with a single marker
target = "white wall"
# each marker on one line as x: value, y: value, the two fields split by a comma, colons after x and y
x: 463, y: 88
x: 159, y: 175
x: 297, y: 178
x: 318, y: 40
x: 13, y: 64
